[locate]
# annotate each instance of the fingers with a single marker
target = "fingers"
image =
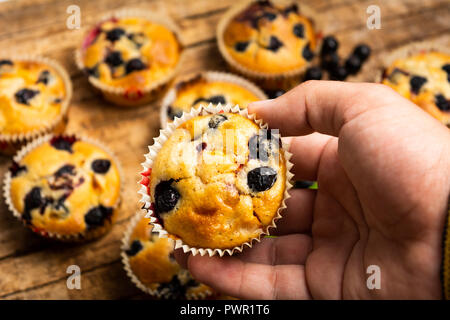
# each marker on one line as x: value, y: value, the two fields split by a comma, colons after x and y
x: 236, y: 278
x: 323, y: 106
x: 297, y: 217
x: 289, y: 249
x: 306, y: 153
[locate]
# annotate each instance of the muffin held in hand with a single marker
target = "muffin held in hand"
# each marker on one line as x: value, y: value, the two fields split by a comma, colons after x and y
x: 267, y: 38
x: 205, y: 88
x: 130, y: 56
x: 217, y: 182
x: 149, y: 261
x: 64, y: 187
x: 34, y: 97
x: 424, y: 78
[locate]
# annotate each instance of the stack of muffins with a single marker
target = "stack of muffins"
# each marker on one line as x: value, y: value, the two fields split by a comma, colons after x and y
x: 208, y: 199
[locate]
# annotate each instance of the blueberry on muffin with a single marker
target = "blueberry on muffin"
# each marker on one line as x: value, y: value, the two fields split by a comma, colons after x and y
x: 150, y: 260
x: 270, y: 38
x: 424, y: 79
x: 130, y: 51
x: 33, y: 96
x: 65, y: 187
x: 218, y: 181
x: 131, y: 56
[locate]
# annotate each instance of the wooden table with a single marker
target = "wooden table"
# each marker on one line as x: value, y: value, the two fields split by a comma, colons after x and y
x: 33, y: 268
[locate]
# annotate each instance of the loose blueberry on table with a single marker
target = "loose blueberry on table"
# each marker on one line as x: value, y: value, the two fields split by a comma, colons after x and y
x: 307, y: 53
x: 313, y: 73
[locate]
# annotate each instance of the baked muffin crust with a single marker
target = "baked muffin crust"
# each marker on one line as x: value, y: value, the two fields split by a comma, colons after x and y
x: 424, y: 78
x: 151, y: 261
x: 218, y: 181
x: 196, y: 91
x: 31, y: 96
x: 130, y: 52
x: 66, y: 187
x: 270, y: 38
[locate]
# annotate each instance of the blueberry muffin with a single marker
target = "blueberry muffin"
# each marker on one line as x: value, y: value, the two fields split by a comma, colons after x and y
x: 424, y: 78
x: 217, y: 182
x: 64, y: 187
x: 268, y: 37
x: 206, y: 88
x: 129, y: 56
x: 34, y: 96
x: 150, y: 261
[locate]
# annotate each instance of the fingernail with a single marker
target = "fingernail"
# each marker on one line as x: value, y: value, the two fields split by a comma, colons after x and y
x: 254, y: 106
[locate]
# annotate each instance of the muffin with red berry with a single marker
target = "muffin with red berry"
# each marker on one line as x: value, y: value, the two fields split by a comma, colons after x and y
x: 208, y: 87
x: 64, y: 187
x: 149, y: 262
x: 272, y: 42
x: 34, y: 97
x: 215, y: 180
x: 131, y: 55
x: 421, y: 73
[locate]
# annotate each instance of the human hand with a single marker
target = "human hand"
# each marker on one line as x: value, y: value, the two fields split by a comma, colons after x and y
x: 383, y: 171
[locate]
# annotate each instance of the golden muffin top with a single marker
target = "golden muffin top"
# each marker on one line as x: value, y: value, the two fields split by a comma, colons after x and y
x: 130, y: 52
x: 269, y: 38
x: 66, y: 187
x: 217, y: 181
x: 31, y: 96
x: 198, y: 90
x: 424, y: 78
x: 152, y: 262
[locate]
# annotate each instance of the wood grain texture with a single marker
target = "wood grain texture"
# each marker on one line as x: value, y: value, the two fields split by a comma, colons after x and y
x: 34, y: 268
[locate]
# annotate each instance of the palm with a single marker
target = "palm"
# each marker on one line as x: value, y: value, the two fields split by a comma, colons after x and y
x: 383, y: 188
x: 365, y: 217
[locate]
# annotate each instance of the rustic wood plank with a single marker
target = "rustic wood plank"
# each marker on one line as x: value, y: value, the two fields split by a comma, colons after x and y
x: 31, y: 267
x: 106, y: 282
x: 50, y: 265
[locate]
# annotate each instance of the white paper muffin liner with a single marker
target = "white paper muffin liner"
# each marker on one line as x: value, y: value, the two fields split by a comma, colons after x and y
x: 156, y: 147
x: 21, y: 138
x: 118, y: 95
x: 285, y: 79
x: 79, y: 237
x: 209, y: 76
x: 126, y: 263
